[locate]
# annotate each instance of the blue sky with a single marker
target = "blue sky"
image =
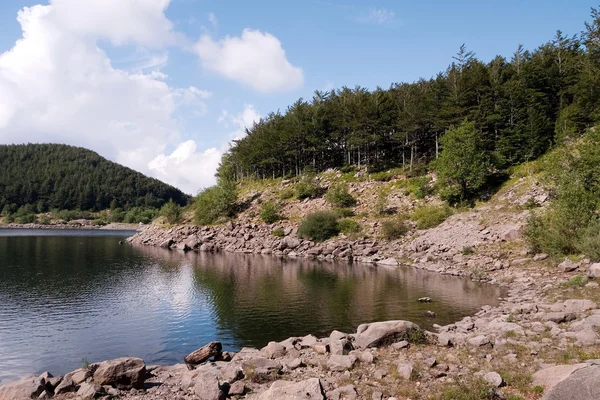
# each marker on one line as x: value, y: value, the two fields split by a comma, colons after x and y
x: 162, y: 86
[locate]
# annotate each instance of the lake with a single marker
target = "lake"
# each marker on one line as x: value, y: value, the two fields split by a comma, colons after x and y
x: 72, y: 295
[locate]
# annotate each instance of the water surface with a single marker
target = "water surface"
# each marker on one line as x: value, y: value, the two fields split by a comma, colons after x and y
x: 70, y: 295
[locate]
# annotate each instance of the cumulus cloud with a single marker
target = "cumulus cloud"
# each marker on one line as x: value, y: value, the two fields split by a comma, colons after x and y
x: 377, y: 16
x: 245, y: 119
x: 186, y: 167
x: 57, y: 85
x: 255, y: 59
x: 212, y: 18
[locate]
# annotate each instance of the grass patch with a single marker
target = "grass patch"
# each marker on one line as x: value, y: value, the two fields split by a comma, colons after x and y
x: 338, y: 195
x: 278, y: 232
x: 428, y: 217
x: 471, y: 388
x: 577, y: 281
x: 467, y: 251
x: 285, y: 194
x: 394, y: 228
x: 348, y: 226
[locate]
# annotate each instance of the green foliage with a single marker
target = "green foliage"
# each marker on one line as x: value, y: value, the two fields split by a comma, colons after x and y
x: 428, y: 216
x: 172, y: 212
x: 577, y: 281
x: 144, y: 215
x: 278, y: 232
x: 381, y: 204
x: 54, y: 176
x: 467, y: 251
x: 571, y: 224
x: 339, y: 196
x: 394, y: 228
x: 470, y: 388
x: 286, y: 193
x: 216, y: 202
x: 319, y: 226
x: 343, y: 212
x: 419, y: 187
x: 349, y: 226
x: 383, y: 176
x: 464, y: 165
x: 270, y: 212
x: 306, y: 188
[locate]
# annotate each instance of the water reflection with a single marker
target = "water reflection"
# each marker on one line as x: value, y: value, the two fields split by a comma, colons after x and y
x: 66, y: 298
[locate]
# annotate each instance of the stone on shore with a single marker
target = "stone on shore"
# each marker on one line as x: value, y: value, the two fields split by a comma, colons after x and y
x: 24, y: 388
x: 123, y: 373
x: 383, y: 333
x: 339, y: 363
x: 581, y: 384
x: 309, y: 389
x: 594, y: 271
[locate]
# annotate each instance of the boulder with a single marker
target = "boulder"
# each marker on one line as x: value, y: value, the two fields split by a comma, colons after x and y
x: 261, y: 366
x: 339, y: 363
x: 549, y: 377
x: 88, y: 391
x: 493, y: 378
x: 568, y: 265
x: 347, y: 392
x: 206, y: 387
x: 479, y: 341
x: 340, y: 346
x: 24, y: 388
x: 309, y: 389
x: 273, y: 350
x: 594, y: 271
x: 388, y: 262
x: 405, y: 370
x: 67, y: 385
x: 559, y: 317
x: 581, y: 384
x: 291, y: 242
x: 123, y: 373
x: 383, y: 333
x: 237, y: 389
x: 576, y: 306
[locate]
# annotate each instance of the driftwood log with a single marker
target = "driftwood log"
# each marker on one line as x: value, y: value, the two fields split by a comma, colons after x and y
x: 213, y: 349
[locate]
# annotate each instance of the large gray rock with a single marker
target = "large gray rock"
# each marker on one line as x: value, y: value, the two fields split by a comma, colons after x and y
x: 341, y: 363
x: 405, y: 370
x: 206, y: 387
x: 274, y: 350
x: 309, y: 389
x: 347, y: 392
x: 383, y: 333
x: 549, y: 377
x: 594, y: 271
x: 24, y: 388
x: 568, y: 265
x: 88, y: 391
x: 123, y: 373
x: 582, y: 384
x: 577, y: 306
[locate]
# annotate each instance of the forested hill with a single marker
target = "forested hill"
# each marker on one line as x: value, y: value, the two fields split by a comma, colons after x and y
x: 520, y: 105
x: 56, y: 176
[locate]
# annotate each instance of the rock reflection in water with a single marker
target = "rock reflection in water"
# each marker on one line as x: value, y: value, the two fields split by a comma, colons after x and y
x: 256, y: 298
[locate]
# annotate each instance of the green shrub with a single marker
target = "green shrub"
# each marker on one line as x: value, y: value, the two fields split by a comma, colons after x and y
x: 286, y: 193
x: 467, y: 251
x: 319, y: 226
x: 343, y: 212
x: 116, y: 215
x: 346, y: 169
x: 98, y: 222
x: 338, y: 195
x: 394, y: 228
x: 278, y: 232
x: 428, y: 217
x: 215, y: 202
x: 25, y: 219
x: 270, y: 212
x: 306, y: 188
x: 349, y: 226
x: 144, y: 215
x: 44, y: 220
x: 172, y: 212
x: 383, y: 176
x: 419, y: 187
x: 381, y: 204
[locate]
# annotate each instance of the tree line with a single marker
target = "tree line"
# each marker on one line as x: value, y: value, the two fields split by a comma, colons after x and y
x: 519, y: 107
x: 42, y: 177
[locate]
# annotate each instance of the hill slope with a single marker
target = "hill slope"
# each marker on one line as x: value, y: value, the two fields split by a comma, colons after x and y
x: 49, y: 176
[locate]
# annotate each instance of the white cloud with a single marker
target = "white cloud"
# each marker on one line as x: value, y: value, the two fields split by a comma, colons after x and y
x: 245, y: 119
x: 57, y: 85
x: 255, y: 59
x: 187, y: 168
x: 377, y: 16
x: 212, y: 18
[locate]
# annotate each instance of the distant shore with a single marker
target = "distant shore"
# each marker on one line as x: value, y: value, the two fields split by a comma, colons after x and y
x: 77, y: 226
